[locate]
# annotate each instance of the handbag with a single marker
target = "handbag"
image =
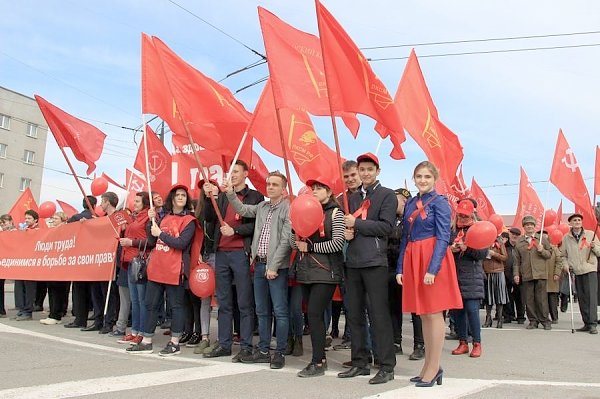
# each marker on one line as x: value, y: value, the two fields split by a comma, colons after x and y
x: 137, y: 267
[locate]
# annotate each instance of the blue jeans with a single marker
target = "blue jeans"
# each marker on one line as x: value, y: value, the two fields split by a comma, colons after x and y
x: 232, y: 267
x: 276, y: 289
x: 137, y: 293
x: 468, y: 314
x: 295, y: 306
x: 154, y: 300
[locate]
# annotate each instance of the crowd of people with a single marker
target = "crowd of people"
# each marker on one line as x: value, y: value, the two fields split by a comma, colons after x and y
x: 389, y: 253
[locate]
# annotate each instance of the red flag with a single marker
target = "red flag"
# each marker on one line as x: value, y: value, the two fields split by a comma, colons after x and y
x: 135, y: 184
x: 529, y: 203
x: 85, y: 140
x: 66, y: 208
x: 421, y: 121
x: 484, y: 206
x: 353, y: 86
x: 23, y: 203
x: 258, y: 173
x: 559, y: 214
x: 597, y: 173
x: 311, y: 157
x: 296, y: 69
x: 111, y: 180
x: 566, y: 176
x: 459, y: 186
x: 183, y: 96
x: 159, y: 163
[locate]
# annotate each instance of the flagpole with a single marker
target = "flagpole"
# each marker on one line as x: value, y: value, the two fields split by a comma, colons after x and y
x: 284, y: 149
x: 85, y: 198
x: 333, y: 124
x: 378, y: 145
x: 544, y: 210
x: 237, y: 155
x: 145, y: 138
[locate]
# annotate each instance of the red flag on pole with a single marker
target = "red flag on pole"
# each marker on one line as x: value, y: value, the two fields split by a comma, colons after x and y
x: 353, y: 86
x: 597, y: 173
x: 421, y: 121
x: 134, y: 185
x: 85, y: 140
x: 529, y: 203
x: 297, y: 72
x: 159, y: 163
x: 484, y: 206
x: 111, y: 180
x: 23, y: 203
x: 180, y: 94
x: 566, y: 176
x: 66, y: 208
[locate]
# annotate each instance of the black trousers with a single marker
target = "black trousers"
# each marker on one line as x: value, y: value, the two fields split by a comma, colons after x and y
x: 515, y: 309
x: 371, y: 282
x: 317, y: 297
x: 99, y: 292
x: 2, y: 308
x: 81, y: 302
x: 192, y: 306
x: 57, y: 297
x: 24, y: 296
x: 587, y: 292
x: 41, y: 289
x: 553, y: 305
x: 395, y: 305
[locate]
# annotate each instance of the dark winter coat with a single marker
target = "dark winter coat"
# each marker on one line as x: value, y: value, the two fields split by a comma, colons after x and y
x: 469, y: 270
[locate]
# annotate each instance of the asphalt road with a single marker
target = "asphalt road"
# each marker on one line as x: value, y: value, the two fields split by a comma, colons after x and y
x: 41, y: 361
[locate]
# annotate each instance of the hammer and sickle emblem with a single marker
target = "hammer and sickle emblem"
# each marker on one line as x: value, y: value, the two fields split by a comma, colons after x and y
x: 569, y: 160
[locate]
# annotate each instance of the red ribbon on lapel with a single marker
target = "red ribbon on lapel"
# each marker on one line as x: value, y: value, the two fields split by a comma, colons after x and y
x: 362, y: 211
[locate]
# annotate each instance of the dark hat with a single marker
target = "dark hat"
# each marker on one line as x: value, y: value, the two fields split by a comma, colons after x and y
x: 465, y: 207
x: 504, y: 234
x: 515, y: 231
x: 403, y: 192
x: 575, y: 215
x: 211, y: 181
x: 369, y: 157
x: 528, y: 219
x: 320, y: 180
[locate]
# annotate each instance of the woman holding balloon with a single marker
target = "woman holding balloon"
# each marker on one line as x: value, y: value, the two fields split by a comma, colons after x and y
x: 319, y: 262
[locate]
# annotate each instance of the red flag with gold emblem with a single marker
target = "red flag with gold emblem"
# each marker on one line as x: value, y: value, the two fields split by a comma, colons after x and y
x: 484, y: 206
x: 566, y: 176
x: 23, y: 203
x: 529, y: 202
x: 188, y: 100
x: 421, y: 121
x: 159, y: 163
x: 296, y: 69
x: 353, y: 86
x: 310, y: 156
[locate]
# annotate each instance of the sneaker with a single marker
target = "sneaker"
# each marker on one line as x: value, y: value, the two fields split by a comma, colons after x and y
x: 398, y: 349
x: 218, y: 352
x: 418, y: 353
x: 312, y: 370
x: 278, y: 360
x: 126, y: 339
x: 116, y: 334
x: 211, y: 347
x: 242, y: 353
x: 256, y: 357
x: 170, y: 350
x: 136, y: 340
x: 205, y: 343
x: 50, y: 321
x: 38, y: 308
x: 105, y: 330
x: 345, y: 345
x: 194, y: 341
x: 185, y: 337
x: 139, y: 348
x: 328, y: 341
x: 23, y: 317
x: 593, y: 330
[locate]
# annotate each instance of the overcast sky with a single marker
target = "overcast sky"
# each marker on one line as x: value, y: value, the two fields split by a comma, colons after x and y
x: 505, y: 107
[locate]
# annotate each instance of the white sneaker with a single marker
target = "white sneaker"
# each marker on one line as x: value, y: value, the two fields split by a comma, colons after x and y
x: 49, y: 321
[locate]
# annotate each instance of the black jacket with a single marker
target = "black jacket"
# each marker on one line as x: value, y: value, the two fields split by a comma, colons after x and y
x: 369, y: 246
x: 469, y: 270
x: 394, y: 244
x: 246, y: 229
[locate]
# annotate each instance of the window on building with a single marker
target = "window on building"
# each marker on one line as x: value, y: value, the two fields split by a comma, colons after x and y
x: 32, y: 130
x: 25, y: 183
x: 1, y: 180
x: 5, y: 122
x: 3, y: 148
x: 29, y: 157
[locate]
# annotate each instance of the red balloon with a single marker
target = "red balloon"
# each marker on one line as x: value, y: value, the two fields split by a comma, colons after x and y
x: 564, y: 228
x: 46, y: 209
x: 99, y: 186
x: 481, y: 235
x: 555, y: 236
x: 305, y: 190
x: 550, y: 217
x: 99, y: 211
x: 497, y: 221
x: 202, y: 280
x: 551, y: 228
x: 306, y: 215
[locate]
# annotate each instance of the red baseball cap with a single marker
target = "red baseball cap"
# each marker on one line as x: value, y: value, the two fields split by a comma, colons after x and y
x: 211, y: 181
x: 179, y: 185
x: 321, y: 180
x: 465, y: 207
x: 369, y: 157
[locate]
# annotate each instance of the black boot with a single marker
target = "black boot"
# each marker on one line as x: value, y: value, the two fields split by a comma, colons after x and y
x: 290, y: 345
x: 418, y: 352
x: 499, y: 314
x: 488, y: 316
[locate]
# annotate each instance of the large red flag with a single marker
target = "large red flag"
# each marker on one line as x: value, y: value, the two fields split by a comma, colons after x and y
x: 597, y: 173
x: 353, y: 86
x: 484, y: 206
x: 111, y: 180
x: 566, y: 176
x: 85, y: 140
x: 185, y: 98
x: 529, y: 203
x: 421, y: 121
x: 459, y: 186
x: 159, y: 163
x: 311, y: 157
x: 67, y: 209
x: 23, y: 203
x: 134, y: 184
x: 296, y: 69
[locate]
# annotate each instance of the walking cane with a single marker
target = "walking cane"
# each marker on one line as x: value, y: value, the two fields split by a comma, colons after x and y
x: 571, y: 300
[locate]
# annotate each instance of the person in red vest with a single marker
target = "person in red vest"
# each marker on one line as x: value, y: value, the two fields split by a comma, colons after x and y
x: 168, y: 268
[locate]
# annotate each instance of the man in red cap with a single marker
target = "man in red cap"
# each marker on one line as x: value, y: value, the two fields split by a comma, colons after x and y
x: 370, y: 221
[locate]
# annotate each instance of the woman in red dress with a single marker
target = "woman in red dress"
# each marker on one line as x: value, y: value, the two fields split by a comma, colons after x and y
x: 426, y: 268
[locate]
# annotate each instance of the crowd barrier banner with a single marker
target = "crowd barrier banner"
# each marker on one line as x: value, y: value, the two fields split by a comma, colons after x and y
x: 79, y: 251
